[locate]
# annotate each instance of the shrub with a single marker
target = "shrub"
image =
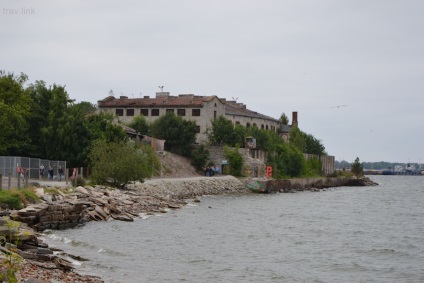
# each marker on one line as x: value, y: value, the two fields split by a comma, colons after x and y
x: 200, y: 157
x: 17, y: 198
x: 120, y: 163
x: 235, y: 160
x: 313, y: 167
x: 78, y: 181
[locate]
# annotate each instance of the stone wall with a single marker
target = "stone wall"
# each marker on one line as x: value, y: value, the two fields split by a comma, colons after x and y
x: 304, y: 184
x: 58, y: 215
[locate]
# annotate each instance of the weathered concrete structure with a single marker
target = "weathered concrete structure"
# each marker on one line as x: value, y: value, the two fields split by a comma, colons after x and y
x: 201, y: 109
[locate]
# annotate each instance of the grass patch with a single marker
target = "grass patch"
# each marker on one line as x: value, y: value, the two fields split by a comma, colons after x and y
x: 17, y: 198
x: 51, y: 191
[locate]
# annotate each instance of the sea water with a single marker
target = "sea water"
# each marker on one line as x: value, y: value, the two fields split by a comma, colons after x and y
x: 346, y: 234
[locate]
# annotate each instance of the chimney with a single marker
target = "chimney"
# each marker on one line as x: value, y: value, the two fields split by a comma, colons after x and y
x: 146, y: 97
x: 123, y: 97
x: 294, y: 119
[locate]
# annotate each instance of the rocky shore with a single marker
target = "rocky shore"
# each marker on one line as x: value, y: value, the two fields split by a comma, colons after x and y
x: 63, y: 208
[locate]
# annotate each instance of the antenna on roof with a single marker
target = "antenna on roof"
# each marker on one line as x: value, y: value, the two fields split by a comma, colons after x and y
x: 235, y: 99
x: 161, y: 88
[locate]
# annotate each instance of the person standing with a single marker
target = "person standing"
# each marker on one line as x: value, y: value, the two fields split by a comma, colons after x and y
x: 51, y: 173
x: 42, y: 171
x: 20, y: 171
x: 60, y: 172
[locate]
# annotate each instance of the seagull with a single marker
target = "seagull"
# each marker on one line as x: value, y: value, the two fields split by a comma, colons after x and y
x: 235, y: 98
x: 338, y: 106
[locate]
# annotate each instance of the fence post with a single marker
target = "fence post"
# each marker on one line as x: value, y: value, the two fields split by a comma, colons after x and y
x: 1, y: 181
x: 26, y: 179
x: 9, y: 186
x: 82, y: 173
x: 66, y: 176
x: 19, y: 180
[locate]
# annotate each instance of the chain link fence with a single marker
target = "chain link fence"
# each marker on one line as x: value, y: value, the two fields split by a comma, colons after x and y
x: 31, y: 166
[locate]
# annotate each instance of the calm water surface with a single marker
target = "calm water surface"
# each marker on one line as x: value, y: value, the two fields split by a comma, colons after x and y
x: 348, y: 234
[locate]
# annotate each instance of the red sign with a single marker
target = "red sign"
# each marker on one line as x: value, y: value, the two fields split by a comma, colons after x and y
x: 269, y: 171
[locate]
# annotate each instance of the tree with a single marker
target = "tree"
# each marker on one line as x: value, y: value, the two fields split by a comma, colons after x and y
x: 296, y: 138
x: 86, y: 107
x: 284, y: 119
x: 120, y: 163
x: 200, y: 156
x: 14, y: 114
x: 179, y: 134
x: 357, y: 168
x: 139, y: 124
x: 313, y: 145
x: 223, y: 132
x: 235, y: 160
x: 287, y: 161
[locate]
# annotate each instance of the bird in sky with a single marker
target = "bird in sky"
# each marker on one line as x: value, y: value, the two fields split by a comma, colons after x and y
x: 338, y: 106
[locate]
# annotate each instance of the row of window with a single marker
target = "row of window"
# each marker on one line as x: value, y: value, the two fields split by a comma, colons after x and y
x: 248, y: 125
x: 155, y: 112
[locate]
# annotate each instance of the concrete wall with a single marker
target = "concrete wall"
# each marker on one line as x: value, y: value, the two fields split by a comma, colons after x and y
x: 327, y: 162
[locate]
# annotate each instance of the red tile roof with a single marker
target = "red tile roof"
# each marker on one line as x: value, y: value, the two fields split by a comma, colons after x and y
x: 172, y: 101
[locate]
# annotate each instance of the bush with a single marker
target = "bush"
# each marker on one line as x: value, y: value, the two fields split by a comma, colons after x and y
x: 235, y: 160
x: 78, y: 181
x: 120, y: 163
x: 17, y: 198
x: 313, y: 167
x: 200, y: 157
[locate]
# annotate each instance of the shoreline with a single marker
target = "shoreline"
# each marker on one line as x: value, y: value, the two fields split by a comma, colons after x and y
x: 102, y: 203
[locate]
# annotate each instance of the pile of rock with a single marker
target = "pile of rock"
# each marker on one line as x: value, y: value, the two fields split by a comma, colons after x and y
x: 19, y: 242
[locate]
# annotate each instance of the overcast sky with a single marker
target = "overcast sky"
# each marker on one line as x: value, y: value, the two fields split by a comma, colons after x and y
x: 274, y: 56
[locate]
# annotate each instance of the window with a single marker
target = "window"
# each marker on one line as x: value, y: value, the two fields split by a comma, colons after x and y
x: 195, y: 112
x: 198, y: 129
x: 262, y: 126
x: 144, y: 112
x: 119, y: 112
x: 214, y: 114
x: 181, y: 112
x: 169, y: 110
x: 155, y: 112
x: 130, y: 112
x: 254, y: 125
x: 237, y: 122
x: 247, y: 125
x: 266, y: 127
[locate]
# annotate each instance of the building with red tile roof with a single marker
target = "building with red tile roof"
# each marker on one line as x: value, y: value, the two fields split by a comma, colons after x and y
x: 201, y: 109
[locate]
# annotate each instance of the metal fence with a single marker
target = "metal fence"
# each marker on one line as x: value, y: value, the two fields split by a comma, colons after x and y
x: 9, y: 164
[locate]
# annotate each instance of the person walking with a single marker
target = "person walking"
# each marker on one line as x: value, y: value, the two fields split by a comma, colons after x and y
x: 60, y: 172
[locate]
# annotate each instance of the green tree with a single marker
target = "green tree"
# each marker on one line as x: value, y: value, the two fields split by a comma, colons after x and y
x: 179, y: 134
x: 200, y: 157
x: 139, y: 124
x: 86, y: 107
x: 223, y: 132
x: 14, y: 114
x: 56, y: 130
x: 313, y: 167
x: 296, y: 138
x: 357, y: 168
x: 40, y: 108
x: 103, y: 126
x: 235, y: 160
x: 313, y: 145
x: 284, y: 119
x: 120, y: 163
x: 287, y: 161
